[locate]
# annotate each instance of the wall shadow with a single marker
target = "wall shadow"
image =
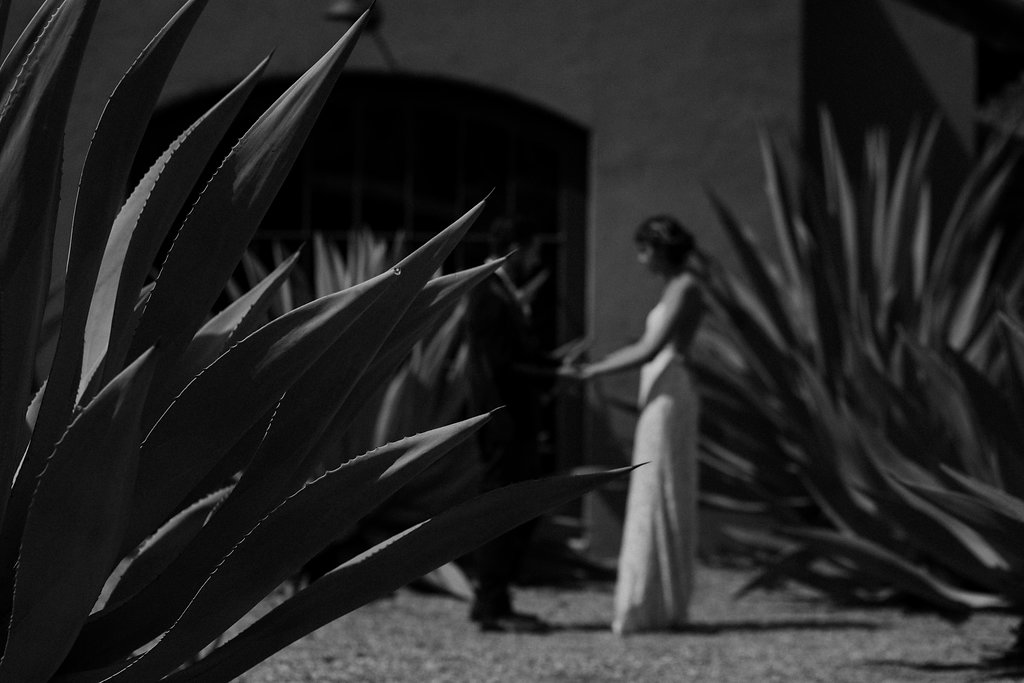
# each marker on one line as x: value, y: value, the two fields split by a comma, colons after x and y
x: 858, y: 67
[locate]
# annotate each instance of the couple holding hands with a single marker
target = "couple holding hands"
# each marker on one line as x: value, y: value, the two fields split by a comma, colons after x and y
x: 657, y: 558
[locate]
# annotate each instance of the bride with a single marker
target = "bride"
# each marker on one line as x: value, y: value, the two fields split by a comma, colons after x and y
x: 657, y: 559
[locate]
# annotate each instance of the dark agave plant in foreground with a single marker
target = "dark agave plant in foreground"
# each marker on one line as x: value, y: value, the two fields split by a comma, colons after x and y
x: 160, y: 475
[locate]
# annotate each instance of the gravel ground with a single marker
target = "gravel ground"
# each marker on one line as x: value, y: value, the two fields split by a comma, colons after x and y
x: 778, y: 636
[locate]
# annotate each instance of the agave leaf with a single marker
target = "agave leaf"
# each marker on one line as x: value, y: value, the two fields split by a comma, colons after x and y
x: 765, y: 285
x: 106, y: 168
x: 32, y: 121
x: 996, y: 420
x: 843, y: 584
x: 389, y: 566
x: 327, y: 275
x: 298, y: 419
x: 271, y: 551
x: 964, y: 319
x: 336, y: 378
x: 78, y: 513
x: 792, y: 563
x: 1010, y: 506
x: 33, y: 113
x: 326, y: 382
x: 948, y: 399
x: 242, y: 317
x: 920, y: 248
x: 142, y: 224
x: 758, y: 479
x: 25, y: 44
x: 450, y: 579
x: 946, y: 539
x: 874, y: 204
x: 982, y: 511
x: 221, y: 223
x: 225, y: 400
x: 100, y: 193
x: 439, y: 347
x: 893, y: 569
x: 48, y: 333
x: 843, y: 257
x: 434, y: 301
x: 438, y: 297
x: 160, y: 549
x: 1011, y: 338
x: 992, y: 157
x: 40, y: 58
x: 761, y: 352
x: 782, y: 210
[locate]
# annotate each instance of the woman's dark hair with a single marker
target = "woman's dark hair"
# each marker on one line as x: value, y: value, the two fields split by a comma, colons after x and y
x: 667, y: 235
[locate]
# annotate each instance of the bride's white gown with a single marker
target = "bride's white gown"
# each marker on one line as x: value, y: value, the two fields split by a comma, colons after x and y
x: 657, y: 559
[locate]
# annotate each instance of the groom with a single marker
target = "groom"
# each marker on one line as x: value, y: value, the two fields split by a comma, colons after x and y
x: 502, y: 339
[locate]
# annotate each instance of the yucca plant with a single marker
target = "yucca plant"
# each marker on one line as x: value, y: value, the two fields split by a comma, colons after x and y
x: 160, y: 481
x: 826, y: 355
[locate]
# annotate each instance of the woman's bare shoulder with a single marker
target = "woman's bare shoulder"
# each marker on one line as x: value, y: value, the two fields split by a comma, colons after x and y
x: 682, y: 286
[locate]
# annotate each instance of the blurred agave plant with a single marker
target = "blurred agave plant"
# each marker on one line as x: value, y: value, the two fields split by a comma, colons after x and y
x: 161, y: 480
x: 832, y: 358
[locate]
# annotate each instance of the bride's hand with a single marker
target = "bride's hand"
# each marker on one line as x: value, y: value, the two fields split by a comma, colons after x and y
x: 572, y: 371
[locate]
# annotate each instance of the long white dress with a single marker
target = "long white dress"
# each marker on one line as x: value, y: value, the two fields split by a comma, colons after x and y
x: 659, y: 542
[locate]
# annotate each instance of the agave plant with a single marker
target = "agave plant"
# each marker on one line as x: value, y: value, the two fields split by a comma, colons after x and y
x: 161, y: 479
x: 831, y: 357
x: 430, y: 388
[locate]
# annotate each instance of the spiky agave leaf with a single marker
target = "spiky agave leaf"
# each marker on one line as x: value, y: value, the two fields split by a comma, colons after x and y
x: 388, y: 566
x: 33, y: 110
x: 172, y: 428
x: 77, y: 512
x: 216, y: 584
x: 101, y: 190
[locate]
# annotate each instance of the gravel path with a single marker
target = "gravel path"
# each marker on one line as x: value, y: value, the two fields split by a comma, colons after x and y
x: 778, y: 636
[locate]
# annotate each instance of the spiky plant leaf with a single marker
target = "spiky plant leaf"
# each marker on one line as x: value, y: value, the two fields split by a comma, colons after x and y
x: 219, y: 405
x: 762, y: 280
x: 952, y: 601
x: 78, y: 513
x: 434, y: 301
x: 237, y: 321
x: 275, y: 469
x: 235, y: 199
x: 142, y: 225
x: 271, y: 551
x: 32, y: 114
x: 390, y: 565
x: 160, y: 549
x: 100, y: 194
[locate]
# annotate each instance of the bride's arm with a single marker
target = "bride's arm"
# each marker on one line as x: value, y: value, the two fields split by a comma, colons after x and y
x: 682, y: 303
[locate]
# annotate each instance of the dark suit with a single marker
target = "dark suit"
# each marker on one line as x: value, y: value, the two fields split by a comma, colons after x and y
x: 501, y: 337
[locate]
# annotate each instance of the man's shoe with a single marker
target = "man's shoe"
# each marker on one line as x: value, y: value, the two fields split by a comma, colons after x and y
x: 514, y: 623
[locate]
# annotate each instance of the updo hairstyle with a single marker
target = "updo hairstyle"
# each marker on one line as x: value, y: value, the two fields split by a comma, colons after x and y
x: 668, y: 236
